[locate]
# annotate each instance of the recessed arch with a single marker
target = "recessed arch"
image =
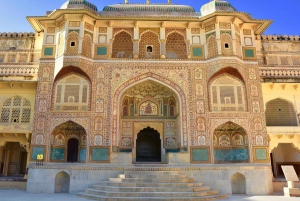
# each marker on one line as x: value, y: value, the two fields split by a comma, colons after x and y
x: 280, y: 112
x: 230, y: 144
x: 67, y: 140
x: 238, y: 183
x: 227, y: 93
x: 176, y: 46
x: 62, y: 182
x: 149, y: 38
x: 122, y: 46
x: 136, y: 80
x: 72, y: 92
x: 16, y: 109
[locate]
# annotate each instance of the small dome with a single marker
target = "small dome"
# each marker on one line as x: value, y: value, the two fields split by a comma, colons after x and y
x: 79, y: 4
x: 215, y: 6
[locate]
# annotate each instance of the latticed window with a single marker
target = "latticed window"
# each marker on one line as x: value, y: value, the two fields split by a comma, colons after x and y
x: 15, y: 110
x: 227, y: 94
x: 72, y: 93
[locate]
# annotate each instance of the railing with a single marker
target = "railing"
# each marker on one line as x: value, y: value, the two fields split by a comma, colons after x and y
x: 20, y: 71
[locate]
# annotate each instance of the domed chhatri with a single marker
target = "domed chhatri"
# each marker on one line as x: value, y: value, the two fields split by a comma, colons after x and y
x: 79, y: 4
x: 216, y: 5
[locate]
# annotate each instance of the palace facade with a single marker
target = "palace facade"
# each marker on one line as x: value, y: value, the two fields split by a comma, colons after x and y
x: 152, y: 86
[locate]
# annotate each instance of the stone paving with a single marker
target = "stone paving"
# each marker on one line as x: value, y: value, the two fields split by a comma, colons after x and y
x: 19, y: 195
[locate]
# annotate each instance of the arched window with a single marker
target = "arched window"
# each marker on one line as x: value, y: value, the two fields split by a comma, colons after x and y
x: 122, y: 46
x: 73, y: 43
x: 72, y: 93
x: 176, y: 46
x: 227, y: 94
x: 16, y: 110
x: 280, y: 112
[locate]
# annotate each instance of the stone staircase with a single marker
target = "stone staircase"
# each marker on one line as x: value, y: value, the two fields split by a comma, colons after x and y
x: 151, y: 185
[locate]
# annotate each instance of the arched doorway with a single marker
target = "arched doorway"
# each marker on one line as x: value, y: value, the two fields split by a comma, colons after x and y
x: 62, y: 182
x: 238, y: 183
x: 73, y: 145
x: 148, y: 146
x: 68, y: 143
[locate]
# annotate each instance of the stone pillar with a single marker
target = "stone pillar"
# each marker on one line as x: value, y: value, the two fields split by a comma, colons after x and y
x: 163, y: 49
x: 136, y: 38
x: 81, y: 35
x: 233, y: 39
x: 218, y: 37
x: 66, y: 33
x: 162, y: 37
x: 135, y: 49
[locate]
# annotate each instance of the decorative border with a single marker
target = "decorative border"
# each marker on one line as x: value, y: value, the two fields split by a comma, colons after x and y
x: 99, y: 147
x: 53, y: 51
x: 65, y: 155
x: 200, y: 147
x: 267, y: 160
x: 38, y: 146
x: 197, y: 46
x: 249, y: 48
x: 96, y: 56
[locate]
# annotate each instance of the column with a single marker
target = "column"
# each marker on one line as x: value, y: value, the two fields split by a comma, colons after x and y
x: 81, y: 35
x: 233, y: 39
x: 218, y: 37
x: 28, y: 153
x: 162, y: 42
x: 136, y: 38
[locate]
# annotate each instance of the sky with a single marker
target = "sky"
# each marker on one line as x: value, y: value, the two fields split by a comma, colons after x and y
x: 284, y: 13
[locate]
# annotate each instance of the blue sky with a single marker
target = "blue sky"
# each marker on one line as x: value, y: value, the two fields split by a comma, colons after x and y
x: 285, y: 13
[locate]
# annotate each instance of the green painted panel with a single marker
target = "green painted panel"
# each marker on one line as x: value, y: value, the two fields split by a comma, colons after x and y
x: 249, y: 53
x: 101, y: 50
x: 36, y: 151
x: 48, y: 51
x: 58, y: 154
x: 82, y: 154
x: 261, y: 154
x: 200, y: 155
x: 100, y: 154
x: 197, y: 51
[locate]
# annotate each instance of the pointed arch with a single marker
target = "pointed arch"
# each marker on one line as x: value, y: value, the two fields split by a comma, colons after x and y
x: 212, y: 46
x: 226, y: 44
x: 280, y: 112
x: 118, y: 94
x: 149, y: 38
x: 227, y: 93
x: 65, y: 141
x: 122, y: 46
x: 230, y: 144
x: 87, y: 44
x: 71, y: 90
x: 176, y: 46
x: 73, y: 43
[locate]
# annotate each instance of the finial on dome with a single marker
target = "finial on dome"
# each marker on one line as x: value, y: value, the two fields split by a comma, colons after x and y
x: 147, y: 1
x: 169, y: 1
x: 126, y: 2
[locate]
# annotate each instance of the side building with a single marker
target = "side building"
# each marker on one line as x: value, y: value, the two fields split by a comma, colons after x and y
x: 19, y: 62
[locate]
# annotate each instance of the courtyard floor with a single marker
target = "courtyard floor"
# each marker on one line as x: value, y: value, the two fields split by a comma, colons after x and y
x: 17, y: 195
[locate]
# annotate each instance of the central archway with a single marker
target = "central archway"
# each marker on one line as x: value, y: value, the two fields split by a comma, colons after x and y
x: 148, y: 146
